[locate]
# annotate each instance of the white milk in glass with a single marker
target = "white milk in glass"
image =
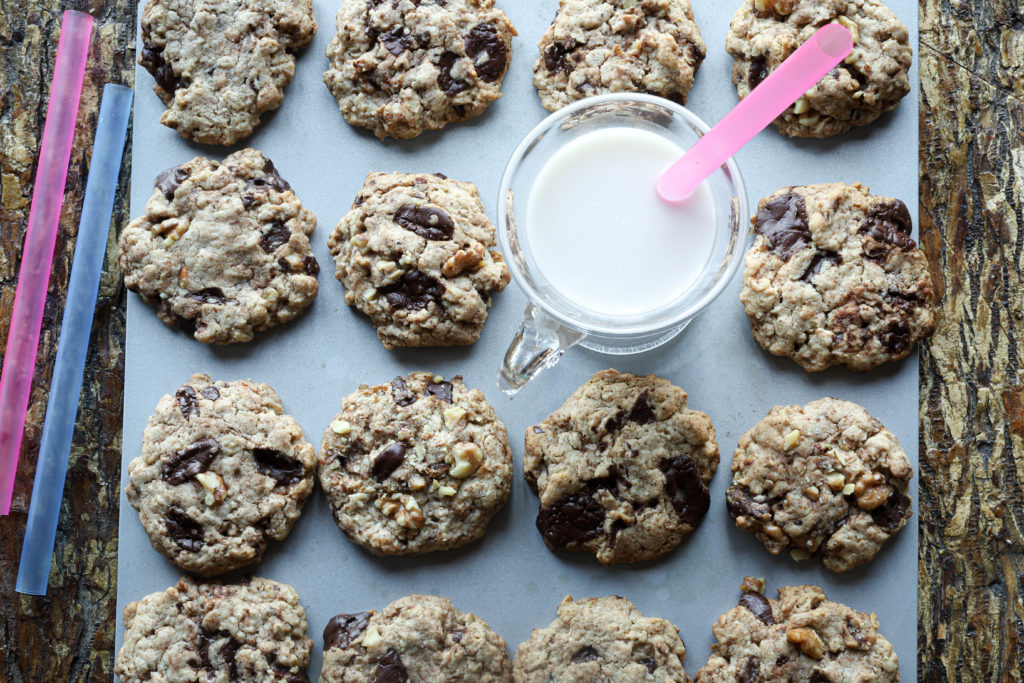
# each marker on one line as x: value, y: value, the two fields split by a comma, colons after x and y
x: 600, y: 234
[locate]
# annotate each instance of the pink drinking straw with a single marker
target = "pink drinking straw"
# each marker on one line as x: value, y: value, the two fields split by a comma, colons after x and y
x: 40, y: 236
x: 829, y: 45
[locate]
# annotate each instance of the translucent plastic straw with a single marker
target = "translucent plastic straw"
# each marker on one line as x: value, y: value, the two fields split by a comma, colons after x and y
x: 59, y: 426
x: 40, y: 235
x: 826, y: 48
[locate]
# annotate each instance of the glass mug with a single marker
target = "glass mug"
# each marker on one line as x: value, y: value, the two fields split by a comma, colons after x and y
x: 552, y: 322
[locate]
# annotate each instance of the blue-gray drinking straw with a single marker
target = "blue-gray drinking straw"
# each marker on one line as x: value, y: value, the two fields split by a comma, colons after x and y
x: 72, y: 348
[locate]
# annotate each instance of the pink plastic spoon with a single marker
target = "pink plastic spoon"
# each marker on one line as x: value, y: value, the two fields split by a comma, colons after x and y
x: 826, y: 48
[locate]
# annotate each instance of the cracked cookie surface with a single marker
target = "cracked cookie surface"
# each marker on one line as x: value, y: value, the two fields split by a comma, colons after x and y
x: 416, y: 254
x: 223, y: 471
x: 622, y: 468
x: 415, y: 465
x: 595, y: 47
x: 254, y: 630
x: 220, y: 64
x: 223, y: 249
x: 868, y: 83
x: 801, y: 636
x: 821, y: 479
x: 602, y: 639
x: 415, y: 638
x: 834, y: 278
x: 406, y: 66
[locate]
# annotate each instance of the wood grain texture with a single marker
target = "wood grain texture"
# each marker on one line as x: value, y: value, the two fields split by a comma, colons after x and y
x: 69, y: 634
x: 972, y: 381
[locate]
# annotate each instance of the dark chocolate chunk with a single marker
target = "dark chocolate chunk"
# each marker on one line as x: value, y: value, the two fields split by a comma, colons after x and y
x: 270, y: 178
x: 183, y: 530
x: 188, y: 403
x: 537, y: 430
x: 890, y: 223
x: 152, y: 60
x: 783, y: 221
x: 414, y: 291
x: 390, y: 669
x: 650, y: 663
x: 210, y: 393
x: 395, y: 41
x: 188, y: 462
x: 642, y: 413
x: 749, y: 671
x: 442, y: 176
x: 456, y: 635
x: 740, y: 501
x: 388, y: 460
x: 858, y: 636
x: 310, y: 265
x: 821, y: 257
x: 401, y: 393
x: 283, y: 264
x: 445, y: 81
x: 556, y: 55
x: 759, y: 606
x: 342, y: 629
x: 758, y: 72
x: 781, y: 659
x: 247, y: 200
x: 571, y: 521
x: 277, y: 236
x: 228, y: 651
x: 585, y: 654
x: 895, y: 336
x: 169, y: 180
x: 442, y: 390
x: 690, y: 496
x: 892, y: 512
x: 902, y: 301
x: 488, y: 52
x: 614, y: 423
x: 818, y: 677
x: 278, y: 466
x: 426, y: 221
x: 209, y: 295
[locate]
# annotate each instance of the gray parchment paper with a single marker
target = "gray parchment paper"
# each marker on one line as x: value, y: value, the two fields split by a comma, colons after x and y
x: 510, y: 578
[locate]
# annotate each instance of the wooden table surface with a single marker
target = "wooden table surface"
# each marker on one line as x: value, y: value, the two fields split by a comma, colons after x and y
x: 971, y: 507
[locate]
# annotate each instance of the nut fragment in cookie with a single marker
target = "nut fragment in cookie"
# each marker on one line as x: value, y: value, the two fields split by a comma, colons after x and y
x: 223, y: 471
x: 211, y: 631
x: 834, y: 278
x: 220, y: 64
x: 621, y: 469
x: 416, y: 254
x: 602, y: 639
x: 415, y: 638
x: 801, y: 636
x: 821, y: 479
x: 403, y: 67
x: 869, y: 82
x: 595, y: 47
x: 415, y: 465
x: 223, y: 249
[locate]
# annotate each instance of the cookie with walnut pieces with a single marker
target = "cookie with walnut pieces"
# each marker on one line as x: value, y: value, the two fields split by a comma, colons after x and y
x: 416, y: 465
x: 834, y: 278
x: 622, y: 468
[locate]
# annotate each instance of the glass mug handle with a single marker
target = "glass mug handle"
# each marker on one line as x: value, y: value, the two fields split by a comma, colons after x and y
x: 539, y: 343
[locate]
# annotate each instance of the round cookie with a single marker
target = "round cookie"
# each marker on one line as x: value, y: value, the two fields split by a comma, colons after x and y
x: 219, y: 64
x: 868, y: 83
x: 415, y: 638
x: 834, y: 278
x: 602, y: 639
x: 223, y: 250
x: 595, y: 47
x: 799, y: 637
x: 825, y: 479
x: 223, y: 471
x: 406, y: 66
x: 416, y: 465
x: 251, y: 631
x: 415, y: 254
x: 621, y: 469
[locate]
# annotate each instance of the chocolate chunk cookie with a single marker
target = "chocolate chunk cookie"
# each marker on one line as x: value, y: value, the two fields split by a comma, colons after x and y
x: 834, y: 278
x: 416, y: 465
x: 602, y: 639
x: 223, y: 471
x: 868, y: 83
x: 415, y: 254
x: 825, y: 478
x: 622, y: 468
x: 223, y: 250
x: 219, y: 64
x: 799, y: 637
x: 406, y: 66
x: 603, y: 46
x: 251, y: 631
x: 415, y: 638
